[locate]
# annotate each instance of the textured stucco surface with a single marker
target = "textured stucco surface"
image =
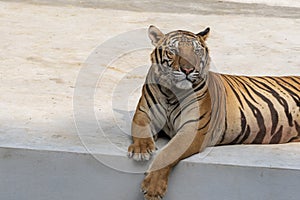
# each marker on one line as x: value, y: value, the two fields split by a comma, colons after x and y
x: 43, y: 48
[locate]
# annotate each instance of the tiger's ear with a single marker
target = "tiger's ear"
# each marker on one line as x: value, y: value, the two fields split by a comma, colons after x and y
x: 155, y: 35
x: 204, y: 34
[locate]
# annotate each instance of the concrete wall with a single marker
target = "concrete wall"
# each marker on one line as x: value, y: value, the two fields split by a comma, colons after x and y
x: 49, y: 175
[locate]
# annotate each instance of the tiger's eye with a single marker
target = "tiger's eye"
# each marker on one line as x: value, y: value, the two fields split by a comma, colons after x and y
x: 198, y: 51
x: 170, y: 52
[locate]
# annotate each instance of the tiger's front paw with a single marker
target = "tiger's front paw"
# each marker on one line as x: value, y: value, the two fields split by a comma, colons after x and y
x: 155, y: 185
x: 141, y: 149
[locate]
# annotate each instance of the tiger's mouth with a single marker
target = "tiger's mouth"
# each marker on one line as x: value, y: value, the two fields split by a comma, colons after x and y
x: 184, y: 81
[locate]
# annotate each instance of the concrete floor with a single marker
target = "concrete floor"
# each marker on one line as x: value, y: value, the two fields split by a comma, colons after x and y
x: 44, y: 47
x: 71, y: 72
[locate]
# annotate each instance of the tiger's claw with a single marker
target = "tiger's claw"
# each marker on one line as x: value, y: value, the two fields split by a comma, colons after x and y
x: 154, y: 186
x: 141, y: 149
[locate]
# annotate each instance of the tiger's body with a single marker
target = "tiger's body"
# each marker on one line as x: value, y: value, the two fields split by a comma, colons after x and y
x: 198, y: 108
x: 261, y: 110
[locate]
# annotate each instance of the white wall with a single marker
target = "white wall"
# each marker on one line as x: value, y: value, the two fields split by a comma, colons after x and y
x: 49, y: 175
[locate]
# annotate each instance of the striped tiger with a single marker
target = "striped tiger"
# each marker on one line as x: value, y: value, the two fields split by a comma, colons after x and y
x: 198, y: 108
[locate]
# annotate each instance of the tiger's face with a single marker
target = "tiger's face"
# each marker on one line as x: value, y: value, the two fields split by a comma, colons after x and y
x: 181, y: 56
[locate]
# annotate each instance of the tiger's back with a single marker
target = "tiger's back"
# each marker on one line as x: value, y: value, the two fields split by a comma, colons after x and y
x: 261, y: 110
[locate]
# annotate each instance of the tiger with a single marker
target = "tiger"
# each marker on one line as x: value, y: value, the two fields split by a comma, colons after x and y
x: 198, y: 108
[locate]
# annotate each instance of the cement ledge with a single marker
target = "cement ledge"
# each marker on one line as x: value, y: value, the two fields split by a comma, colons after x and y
x: 252, y: 172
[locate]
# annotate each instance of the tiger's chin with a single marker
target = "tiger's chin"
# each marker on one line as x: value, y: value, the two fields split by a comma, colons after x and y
x: 184, y: 85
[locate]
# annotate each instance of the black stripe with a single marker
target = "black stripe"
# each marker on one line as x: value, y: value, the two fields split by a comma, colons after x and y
x: 242, y: 82
x: 160, y: 89
x: 148, y: 91
x: 147, y: 101
x: 175, y: 102
x: 139, y: 108
x: 186, y: 106
x: 178, y: 34
x: 200, y: 86
x: 233, y: 89
x: 160, y: 54
x: 196, y: 89
x: 177, y: 115
x: 274, y: 113
x: 154, y: 100
x: 295, y: 80
x: 281, y: 100
x: 260, y: 122
x: 282, y: 79
x: 155, y: 127
x: 173, y: 35
x: 178, y: 102
x: 243, y: 122
x: 243, y: 128
x: 277, y: 136
x: 198, y: 98
x: 191, y: 120
x: 205, y: 125
x: 156, y: 56
x: 294, y: 96
x: 150, y: 94
x: 225, y: 129
x: 246, y: 135
x: 297, y: 128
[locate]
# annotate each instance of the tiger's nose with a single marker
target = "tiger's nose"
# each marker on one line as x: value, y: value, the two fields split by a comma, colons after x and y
x: 187, y: 71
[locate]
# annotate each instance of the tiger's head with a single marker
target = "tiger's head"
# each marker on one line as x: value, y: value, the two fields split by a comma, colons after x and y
x: 182, y: 57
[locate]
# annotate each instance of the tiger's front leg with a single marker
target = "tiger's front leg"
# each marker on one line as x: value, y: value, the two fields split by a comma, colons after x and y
x: 187, y: 142
x: 143, y: 143
x: 147, y: 121
x: 142, y: 128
